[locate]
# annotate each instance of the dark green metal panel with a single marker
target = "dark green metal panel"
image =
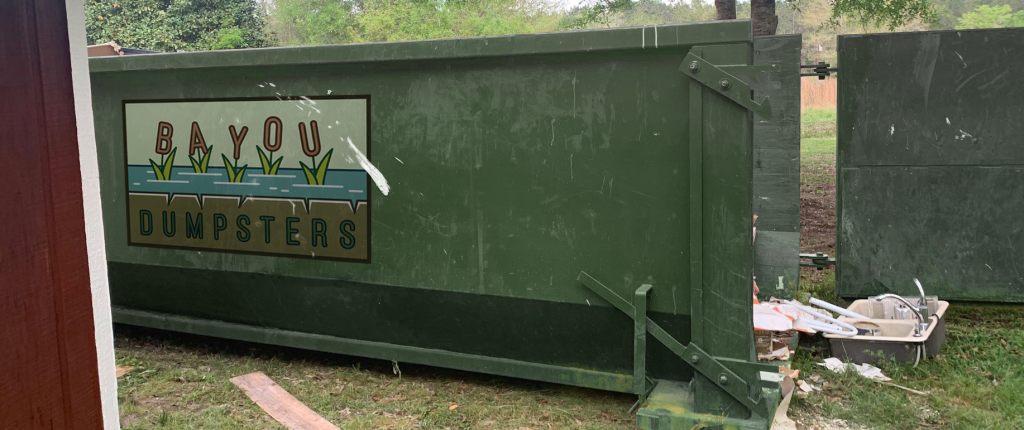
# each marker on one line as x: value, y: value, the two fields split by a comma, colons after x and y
x: 776, y: 199
x: 514, y: 163
x: 726, y: 265
x: 931, y: 164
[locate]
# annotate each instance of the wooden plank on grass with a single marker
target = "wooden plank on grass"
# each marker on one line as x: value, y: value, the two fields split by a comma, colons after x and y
x: 121, y: 371
x: 285, y: 408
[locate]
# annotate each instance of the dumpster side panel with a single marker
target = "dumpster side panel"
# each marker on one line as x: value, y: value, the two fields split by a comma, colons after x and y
x: 507, y: 177
x: 509, y: 171
x: 930, y: 164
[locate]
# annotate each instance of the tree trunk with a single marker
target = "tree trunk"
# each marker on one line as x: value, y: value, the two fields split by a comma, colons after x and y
x: 725, y: 9
x: 762, y: 13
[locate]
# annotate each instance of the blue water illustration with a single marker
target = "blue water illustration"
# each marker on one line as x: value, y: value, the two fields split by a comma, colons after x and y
x: 288, y: 183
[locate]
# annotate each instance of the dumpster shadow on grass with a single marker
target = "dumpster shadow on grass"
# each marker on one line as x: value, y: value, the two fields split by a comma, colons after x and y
x: 352, y: 392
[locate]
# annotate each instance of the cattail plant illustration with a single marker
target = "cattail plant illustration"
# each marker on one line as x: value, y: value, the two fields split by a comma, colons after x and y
x: 203, y: 162
x: 198, y: 142
x: 164, y: 148
x: 316, y: 174
x: 267, y: 159
x: 235, y: 173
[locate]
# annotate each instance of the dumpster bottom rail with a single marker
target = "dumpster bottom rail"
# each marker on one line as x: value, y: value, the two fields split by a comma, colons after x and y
x: 383, y: 351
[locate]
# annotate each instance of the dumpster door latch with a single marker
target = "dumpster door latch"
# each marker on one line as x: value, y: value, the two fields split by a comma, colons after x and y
x: 726, y: 83
x: 820, y: 70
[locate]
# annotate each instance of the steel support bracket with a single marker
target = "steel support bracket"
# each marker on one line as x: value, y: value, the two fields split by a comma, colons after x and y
x: 726, y: 373
x: 750, y: 73
x: 725, y: 83
x: 718, y: 371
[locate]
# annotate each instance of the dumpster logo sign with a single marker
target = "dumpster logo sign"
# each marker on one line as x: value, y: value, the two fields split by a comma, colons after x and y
x: 255, y: 176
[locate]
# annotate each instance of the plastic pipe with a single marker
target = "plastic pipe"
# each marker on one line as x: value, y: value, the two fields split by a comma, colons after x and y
x: 826, y: 327
x: 837, y: 309
x: 830, y: 328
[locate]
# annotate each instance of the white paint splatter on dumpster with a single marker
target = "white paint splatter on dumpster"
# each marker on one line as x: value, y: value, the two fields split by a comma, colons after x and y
x: 963, y: 135
x: 378, y: 178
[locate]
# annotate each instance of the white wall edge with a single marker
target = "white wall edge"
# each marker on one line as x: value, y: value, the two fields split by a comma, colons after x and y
x: 93, y: 214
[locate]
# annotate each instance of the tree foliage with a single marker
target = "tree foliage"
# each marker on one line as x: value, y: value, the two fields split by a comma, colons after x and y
x: 599, y: 13
x: 176, y: 25
x: 642, y: 12
x: 882, y: 13
x: 307, y: 22
x: 890, y: 14
x: 986, y: 16
x: 171, y: 25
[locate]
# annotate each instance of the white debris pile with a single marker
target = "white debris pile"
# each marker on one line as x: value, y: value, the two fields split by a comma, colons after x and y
x: 866, y: 370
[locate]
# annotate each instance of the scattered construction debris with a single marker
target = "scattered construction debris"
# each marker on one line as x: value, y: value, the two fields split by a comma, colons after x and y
x: 865, y: 370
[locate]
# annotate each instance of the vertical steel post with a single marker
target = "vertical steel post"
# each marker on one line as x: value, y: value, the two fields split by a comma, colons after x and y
x: 696, y: 210
x: 640, y: 339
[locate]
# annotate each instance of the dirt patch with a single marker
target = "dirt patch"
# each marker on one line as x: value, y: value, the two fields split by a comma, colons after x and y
x: 817, y: 225
x: 818, y: 218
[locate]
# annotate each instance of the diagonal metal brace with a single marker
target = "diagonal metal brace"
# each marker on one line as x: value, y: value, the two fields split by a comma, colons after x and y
x: 725, y: 83
x: 715, y: 369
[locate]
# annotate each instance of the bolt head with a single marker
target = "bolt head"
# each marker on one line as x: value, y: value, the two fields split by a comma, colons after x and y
x: 725, y: 84
x: 695, y: 358
x: 722, y: 379
x: 694, y: 66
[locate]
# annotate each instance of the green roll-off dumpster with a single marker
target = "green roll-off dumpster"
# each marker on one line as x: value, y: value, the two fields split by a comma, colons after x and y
x: 569, y: 207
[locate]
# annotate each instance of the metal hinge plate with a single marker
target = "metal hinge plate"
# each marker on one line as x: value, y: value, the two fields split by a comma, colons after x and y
x: 728, y: 84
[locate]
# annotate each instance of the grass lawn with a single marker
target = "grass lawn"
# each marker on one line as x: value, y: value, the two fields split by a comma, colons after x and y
x: 181, y: 381
x: 817, y: 122
x: 818, y: 147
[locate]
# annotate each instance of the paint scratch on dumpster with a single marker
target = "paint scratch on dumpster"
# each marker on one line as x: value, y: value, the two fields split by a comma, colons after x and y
x: 378, y: 178
x: 574, y: 94
x: 552, y: 131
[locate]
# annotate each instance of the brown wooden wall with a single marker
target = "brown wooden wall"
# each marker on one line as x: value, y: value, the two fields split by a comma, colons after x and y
x: 48, y: 369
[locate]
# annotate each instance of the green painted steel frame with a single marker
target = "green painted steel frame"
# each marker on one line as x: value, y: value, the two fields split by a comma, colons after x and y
x: 746, y: 381
x: 745, y: 388
x: 776, y: 198
x: 718, y: 159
